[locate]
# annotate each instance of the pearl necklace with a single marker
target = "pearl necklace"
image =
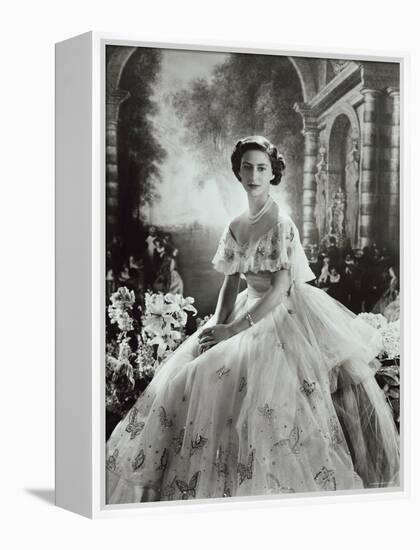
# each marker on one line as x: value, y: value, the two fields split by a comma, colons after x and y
x: 256, y: 217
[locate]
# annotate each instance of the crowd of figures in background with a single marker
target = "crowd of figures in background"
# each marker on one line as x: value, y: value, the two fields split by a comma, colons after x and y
x: 364, y: 280
x: 154, y: 268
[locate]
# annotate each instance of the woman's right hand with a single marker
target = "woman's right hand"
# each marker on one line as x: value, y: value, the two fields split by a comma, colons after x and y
x: 211, y: 336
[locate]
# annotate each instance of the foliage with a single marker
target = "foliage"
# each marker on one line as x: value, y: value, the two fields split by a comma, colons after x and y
x: 140, y: 153
x: 247, y: 94
x: 388, y: 378
x: 388, y: 373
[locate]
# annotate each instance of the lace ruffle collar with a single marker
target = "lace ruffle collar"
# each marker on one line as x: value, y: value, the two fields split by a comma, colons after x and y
x: 268, y: 253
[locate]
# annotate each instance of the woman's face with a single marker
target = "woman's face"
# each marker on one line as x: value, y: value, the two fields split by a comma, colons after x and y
x: 256, y: 173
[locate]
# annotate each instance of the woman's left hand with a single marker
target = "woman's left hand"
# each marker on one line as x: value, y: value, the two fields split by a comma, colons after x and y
x: 211, y: 336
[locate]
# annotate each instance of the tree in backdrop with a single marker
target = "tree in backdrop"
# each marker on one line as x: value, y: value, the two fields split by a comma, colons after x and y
x: 247, y: 94
x: 139, y: 152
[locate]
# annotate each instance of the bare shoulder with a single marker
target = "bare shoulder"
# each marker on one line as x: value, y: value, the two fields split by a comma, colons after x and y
x: 238, y: 224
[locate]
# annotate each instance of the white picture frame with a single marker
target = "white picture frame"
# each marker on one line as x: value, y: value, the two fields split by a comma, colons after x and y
x: 80, y: 274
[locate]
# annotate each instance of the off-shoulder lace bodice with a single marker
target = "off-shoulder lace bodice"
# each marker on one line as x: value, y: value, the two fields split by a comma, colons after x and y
x: 278, y: 248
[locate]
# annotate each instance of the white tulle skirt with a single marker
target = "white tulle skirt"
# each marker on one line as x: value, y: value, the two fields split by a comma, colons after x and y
x: 289, y: 405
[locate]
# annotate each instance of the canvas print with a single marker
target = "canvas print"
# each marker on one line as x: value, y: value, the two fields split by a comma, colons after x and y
x: 252, y: 275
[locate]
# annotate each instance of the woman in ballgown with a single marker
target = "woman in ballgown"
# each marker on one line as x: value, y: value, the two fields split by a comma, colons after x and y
x: 275, y: 393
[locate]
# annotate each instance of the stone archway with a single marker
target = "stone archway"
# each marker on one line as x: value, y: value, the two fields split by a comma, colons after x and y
x: 306, y: 77
x: 116, y: 60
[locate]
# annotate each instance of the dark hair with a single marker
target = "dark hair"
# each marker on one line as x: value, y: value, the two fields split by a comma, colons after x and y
x: 258, y: 143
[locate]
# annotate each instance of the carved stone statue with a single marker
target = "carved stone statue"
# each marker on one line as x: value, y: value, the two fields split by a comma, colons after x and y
x: 338, y: 207
x: 352, y: 196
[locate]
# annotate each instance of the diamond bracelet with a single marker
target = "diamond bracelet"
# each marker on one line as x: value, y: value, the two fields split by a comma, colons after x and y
x: 249, y: 319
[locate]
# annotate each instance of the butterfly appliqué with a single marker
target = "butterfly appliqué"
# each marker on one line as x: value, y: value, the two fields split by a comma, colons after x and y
x: 242, y: 384
x: 197, y: 443
x: 188, y: 489
x: 222, y: 372
x: 291, y: 442
x: 164, y: 420
x: 138, y: 460
x: 325, y: 479
x: 275, y: 485
x: 134, y: 427
x: 164, y: 460
x: 266, y: 411
x: 178, y: 441
x: 111, y: 462
x: 245, y: 471
x: 307, y: 388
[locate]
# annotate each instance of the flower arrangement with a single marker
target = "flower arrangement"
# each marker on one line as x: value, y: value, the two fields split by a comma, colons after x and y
x: 390, y: 334
x: 164, y: 322
x: 146, y: 336
x: 391, y: 340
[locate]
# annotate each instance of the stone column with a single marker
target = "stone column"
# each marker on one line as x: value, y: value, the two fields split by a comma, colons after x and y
x: 368, y: 195
x: 113, y: 102
x: 394, y: 170
x: 311, y: 134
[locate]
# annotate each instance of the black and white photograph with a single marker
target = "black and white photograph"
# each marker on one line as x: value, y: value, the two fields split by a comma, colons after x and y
x: 210, y: 297
x: 252, y: 278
